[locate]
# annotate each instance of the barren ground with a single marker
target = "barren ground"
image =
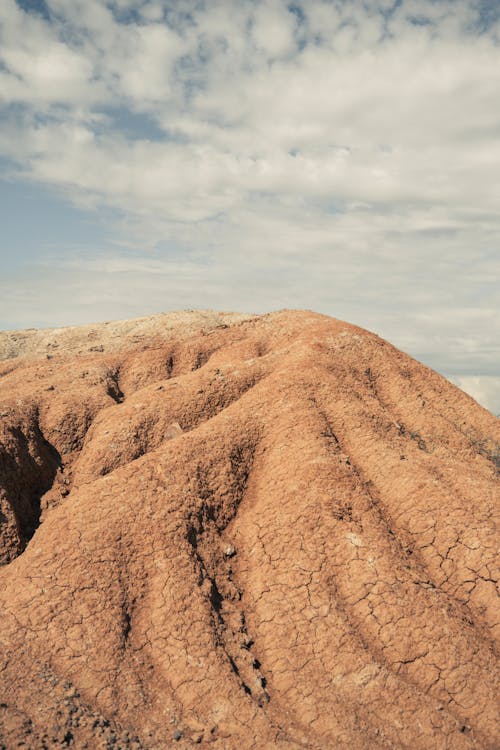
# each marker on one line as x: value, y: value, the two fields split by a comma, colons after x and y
x: 243, y: 532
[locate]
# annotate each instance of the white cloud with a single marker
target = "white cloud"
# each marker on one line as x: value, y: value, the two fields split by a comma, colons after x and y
x: 408, y: 122
x: 483, y: 388
x: 351, y: 145
x: 273, y: 29
x: 147, y: 75
x: 38, y: 67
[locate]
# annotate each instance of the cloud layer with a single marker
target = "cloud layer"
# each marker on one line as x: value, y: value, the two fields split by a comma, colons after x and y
x: 343, y: 156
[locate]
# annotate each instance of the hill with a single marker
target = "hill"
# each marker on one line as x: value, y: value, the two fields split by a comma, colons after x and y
x: 231, y: 531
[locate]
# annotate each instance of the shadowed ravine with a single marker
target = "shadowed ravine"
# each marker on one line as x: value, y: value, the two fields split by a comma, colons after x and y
x: 243, y: 532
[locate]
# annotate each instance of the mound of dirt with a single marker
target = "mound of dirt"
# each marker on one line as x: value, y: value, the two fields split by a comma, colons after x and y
x: 243, y: 532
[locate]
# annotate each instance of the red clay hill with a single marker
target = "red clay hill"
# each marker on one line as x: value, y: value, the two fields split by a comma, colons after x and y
x: 227, y: 531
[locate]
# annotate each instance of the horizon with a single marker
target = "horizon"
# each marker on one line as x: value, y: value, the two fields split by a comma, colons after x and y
x: 262, y: 155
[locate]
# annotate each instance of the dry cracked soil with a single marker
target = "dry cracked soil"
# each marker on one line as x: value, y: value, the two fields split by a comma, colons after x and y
x: 231, y: 531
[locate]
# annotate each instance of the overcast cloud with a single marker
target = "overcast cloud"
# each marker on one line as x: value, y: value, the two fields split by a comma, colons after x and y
x: 339, y: 156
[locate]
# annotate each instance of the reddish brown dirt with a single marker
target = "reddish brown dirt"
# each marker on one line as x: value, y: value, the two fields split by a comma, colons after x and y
x: 235, y: 532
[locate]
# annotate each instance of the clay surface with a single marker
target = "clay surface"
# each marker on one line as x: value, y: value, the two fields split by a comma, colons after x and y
x: 228, y: 531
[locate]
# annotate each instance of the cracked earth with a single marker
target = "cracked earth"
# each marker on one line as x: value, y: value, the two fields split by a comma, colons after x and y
x: 228, y: 531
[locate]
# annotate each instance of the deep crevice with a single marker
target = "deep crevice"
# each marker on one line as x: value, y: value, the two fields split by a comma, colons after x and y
x: 199, y: 361
x: 210, y: 520
x: 113, y: 387
x: 126, y: 625
x: 170, y: 366
x: 28, y: 468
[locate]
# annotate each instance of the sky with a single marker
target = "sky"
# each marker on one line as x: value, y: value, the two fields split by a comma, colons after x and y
x: 253, y: 155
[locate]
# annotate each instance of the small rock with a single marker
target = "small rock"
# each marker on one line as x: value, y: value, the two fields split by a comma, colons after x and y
x: 173, y: 431
x: 177, y: 735
x: 229, y: 550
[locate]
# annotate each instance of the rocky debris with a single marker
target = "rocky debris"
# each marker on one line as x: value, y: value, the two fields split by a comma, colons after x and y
x: 113, y: 335
x: 243, y: 532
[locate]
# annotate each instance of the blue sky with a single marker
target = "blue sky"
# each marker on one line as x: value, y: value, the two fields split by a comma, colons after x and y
x: 337, y: 156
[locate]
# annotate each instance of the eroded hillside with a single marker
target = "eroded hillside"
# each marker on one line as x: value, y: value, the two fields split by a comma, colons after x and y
x: 243, y: 532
